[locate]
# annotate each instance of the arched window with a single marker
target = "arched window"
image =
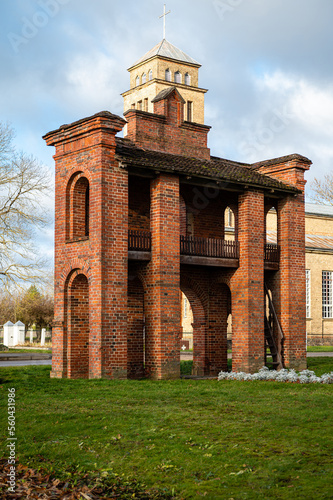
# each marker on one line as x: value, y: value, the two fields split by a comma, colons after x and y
x: 187, y: 79
x: 137, y: 81
x: 144, y: 78
x: 77, y: 217
x: 168, y: 75
x: 178, y: 77
x: 150, y: 75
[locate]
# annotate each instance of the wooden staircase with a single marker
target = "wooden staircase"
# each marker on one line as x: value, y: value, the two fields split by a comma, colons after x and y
x: 274, y: 347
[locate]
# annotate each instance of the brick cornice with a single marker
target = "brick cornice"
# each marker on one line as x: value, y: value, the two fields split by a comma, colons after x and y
x: 105, y: 121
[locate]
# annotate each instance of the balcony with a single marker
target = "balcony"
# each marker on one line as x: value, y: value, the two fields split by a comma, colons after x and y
x: 139, y: 245
x: 272, y: 257
x: 209, y: 251
x: 200, y: 251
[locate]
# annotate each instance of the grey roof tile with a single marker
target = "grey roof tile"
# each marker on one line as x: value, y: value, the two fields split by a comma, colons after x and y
x: 166, y: 49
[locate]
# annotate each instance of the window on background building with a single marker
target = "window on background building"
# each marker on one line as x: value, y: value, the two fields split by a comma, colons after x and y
x: 150, y: 75
x: 229, y: 218
x: 144, y: 78
x: 137, y: 81
x: 187, y: 79
x: 168, y: 75
x: 308, y: 292
x: 327, y: 294
x: 189, y: 110
x: 140, y: 105
x: 185, y: 307
x: 145, y: 105
x: 178, y: 77
x: 133, y: 105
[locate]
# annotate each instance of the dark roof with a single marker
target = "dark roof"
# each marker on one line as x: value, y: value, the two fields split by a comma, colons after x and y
x: 217, y: 169
x: 165, y: 93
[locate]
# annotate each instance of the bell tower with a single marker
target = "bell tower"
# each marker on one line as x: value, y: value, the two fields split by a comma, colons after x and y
x: 163, y: 67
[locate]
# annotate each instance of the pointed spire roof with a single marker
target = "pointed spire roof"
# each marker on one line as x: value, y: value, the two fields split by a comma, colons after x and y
x: 169, y: 51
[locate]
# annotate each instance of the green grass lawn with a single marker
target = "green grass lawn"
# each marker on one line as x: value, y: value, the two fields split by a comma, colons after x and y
x: 190, y: 438
x: 320, y: 348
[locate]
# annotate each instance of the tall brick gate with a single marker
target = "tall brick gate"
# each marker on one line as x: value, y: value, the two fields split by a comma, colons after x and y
x: 137, y: 219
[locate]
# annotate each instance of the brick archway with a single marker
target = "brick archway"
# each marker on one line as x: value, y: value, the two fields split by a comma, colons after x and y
x: 195, y: 295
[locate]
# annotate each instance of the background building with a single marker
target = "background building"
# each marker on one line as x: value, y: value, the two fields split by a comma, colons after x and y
x: 319, y: 270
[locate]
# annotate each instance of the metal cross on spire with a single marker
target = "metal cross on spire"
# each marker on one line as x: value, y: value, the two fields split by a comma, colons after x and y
x: 164, y: 16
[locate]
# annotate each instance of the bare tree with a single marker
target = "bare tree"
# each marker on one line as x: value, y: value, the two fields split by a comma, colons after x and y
x: 323, y: 189
x: 23, y: 183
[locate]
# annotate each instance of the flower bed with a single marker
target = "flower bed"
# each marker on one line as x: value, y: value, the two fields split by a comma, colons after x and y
x: 284, y: 375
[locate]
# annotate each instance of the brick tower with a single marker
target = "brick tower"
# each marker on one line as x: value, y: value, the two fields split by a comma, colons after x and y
x: 140, y: 219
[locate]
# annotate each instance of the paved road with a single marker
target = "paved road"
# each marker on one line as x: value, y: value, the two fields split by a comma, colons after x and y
x: 27, y: 362
x: 183, y: 357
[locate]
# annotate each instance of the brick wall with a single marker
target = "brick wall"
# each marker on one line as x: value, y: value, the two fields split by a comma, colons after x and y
x: 85, y: 156
x: 165, y: 129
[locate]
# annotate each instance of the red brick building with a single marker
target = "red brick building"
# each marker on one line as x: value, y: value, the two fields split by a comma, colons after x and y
x: 142, y: 217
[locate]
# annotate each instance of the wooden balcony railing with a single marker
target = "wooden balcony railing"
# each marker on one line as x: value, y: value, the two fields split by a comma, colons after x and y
x: 272, y: 253
x: 209, y: 247
x: 204, y: 247
x: 139, y: 240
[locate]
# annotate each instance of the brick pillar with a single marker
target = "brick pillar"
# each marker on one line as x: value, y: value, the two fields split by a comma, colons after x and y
x: 199, y: 346
x: 135, y: 324
x: 162, y: 303
x: 217, y: 331
x: 112, y: 258
x: 91, y: 237
x: 291, y: 278
x: 247, y: 286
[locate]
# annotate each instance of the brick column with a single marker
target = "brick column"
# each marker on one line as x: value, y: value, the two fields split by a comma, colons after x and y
x: 291, y: 279
x: 247, y: 286
x: 112, y: 259
x: 162, y: 303
x: 91, y: 238
x: 217, y: 330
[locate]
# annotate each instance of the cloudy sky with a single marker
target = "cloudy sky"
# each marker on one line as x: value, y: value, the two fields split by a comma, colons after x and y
x: 268, y: 66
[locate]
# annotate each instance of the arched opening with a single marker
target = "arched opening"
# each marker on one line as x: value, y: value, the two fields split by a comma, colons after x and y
x: 78, y: 328
x: 193, y: 322
x: 231, y: 223
x: 187, y: 79
x: 168, y: 75
x: 187, y: 328
x: 150, y: 75
x: 136, y: 329
x: 178, y: 77
x: 144, y: 78
x: 271, y: 225
x: 137, y: 81
x: 77, y: 207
